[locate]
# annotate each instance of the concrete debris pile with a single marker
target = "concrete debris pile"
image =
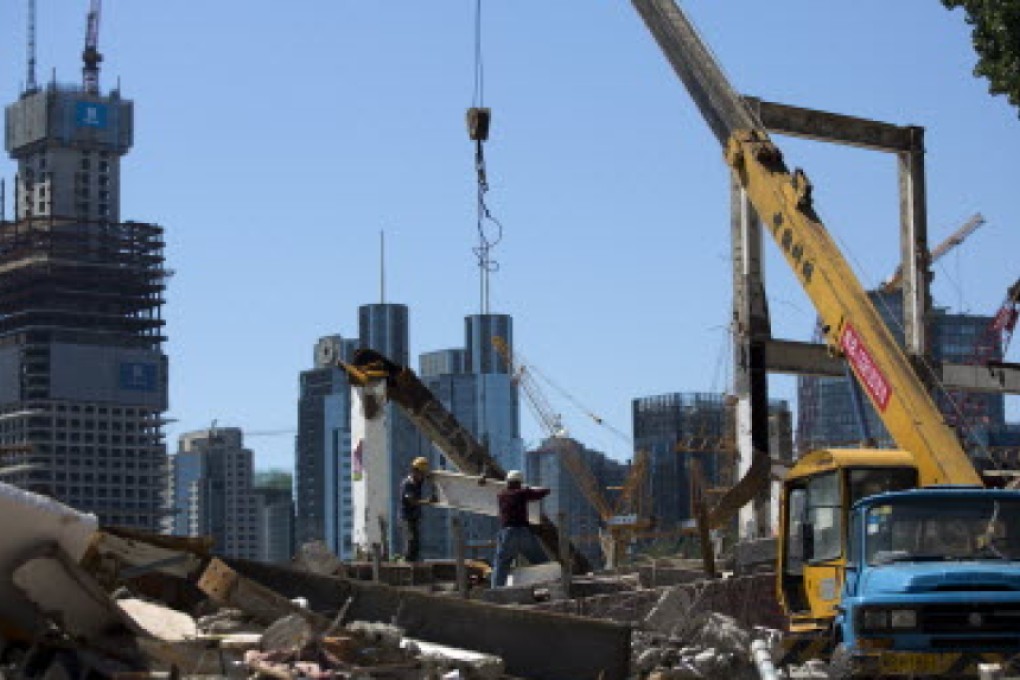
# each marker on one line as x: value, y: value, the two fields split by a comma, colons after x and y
x: 78, y: 600
x: 711, y: 645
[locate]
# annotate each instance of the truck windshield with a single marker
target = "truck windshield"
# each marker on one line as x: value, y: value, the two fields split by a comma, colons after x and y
x: 937, y: 528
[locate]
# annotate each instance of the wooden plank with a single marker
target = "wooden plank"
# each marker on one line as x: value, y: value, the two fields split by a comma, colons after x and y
x: 226, y: 586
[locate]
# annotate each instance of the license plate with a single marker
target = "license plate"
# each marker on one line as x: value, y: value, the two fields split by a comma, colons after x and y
x: 906, y: 663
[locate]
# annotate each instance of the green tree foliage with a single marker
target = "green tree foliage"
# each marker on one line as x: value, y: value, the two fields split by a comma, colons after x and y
x: 996, y: 34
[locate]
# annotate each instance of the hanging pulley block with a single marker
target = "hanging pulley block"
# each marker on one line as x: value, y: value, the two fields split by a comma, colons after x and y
x: 478, y: 123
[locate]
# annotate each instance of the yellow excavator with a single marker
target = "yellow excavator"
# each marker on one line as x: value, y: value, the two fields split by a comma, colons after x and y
x: 861, y: 573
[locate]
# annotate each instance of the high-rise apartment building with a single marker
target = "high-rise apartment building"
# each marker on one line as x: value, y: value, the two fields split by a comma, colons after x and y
x: 322, y: 455
x: 834, y: 412
x: 695, y: 421
x: 83, y: 376
x: 275, y: 493
x: 213, y: 494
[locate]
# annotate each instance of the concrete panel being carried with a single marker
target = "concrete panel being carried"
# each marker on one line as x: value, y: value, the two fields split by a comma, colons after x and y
x: 463, y: 492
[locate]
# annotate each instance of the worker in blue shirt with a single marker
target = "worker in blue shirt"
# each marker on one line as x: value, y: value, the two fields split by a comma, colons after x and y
x: 411, y: 500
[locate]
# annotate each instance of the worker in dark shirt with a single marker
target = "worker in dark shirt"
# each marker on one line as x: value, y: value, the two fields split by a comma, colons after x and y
x: 411, y: 500
x: 515, y: 537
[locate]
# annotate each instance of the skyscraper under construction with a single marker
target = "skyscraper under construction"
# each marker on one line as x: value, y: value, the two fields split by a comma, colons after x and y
x: 83, y: 378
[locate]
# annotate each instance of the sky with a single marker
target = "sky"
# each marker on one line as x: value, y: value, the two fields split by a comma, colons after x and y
x: 275, y: 141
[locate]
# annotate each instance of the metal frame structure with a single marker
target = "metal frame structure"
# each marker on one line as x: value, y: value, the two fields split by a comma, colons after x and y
x: 757, y: 353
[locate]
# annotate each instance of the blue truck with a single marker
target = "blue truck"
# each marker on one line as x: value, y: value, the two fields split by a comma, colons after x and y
x: 932, y: 583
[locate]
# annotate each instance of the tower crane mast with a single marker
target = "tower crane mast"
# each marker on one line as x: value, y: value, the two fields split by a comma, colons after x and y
x: 30, y: 83
x: 90, y: 55
x: 895, y: 280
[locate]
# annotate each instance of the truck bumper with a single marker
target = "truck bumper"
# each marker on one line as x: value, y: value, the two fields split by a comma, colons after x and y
x: 913, y: 664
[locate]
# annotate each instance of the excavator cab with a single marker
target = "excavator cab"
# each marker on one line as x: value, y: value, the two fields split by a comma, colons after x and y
x: 815, y: 507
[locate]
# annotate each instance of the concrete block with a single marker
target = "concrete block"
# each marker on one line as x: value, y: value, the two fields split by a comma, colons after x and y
x: 755, y: 556
x: 673, y: 606
x: 289, y: 634
x: 158, y: 621
x: 508, y: 595
x: 46, y: 583
x: 536, y: 573
x: 469, y: 663
x: 31, y: 521
x: 317, y: 558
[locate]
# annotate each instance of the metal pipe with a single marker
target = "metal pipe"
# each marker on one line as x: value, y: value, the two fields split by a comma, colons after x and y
x: 762, y: 658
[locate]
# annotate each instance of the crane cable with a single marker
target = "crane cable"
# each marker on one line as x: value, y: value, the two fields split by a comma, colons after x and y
x: 490, y: 229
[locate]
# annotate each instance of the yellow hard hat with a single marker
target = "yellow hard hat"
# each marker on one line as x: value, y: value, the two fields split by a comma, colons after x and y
x: 421, y: 464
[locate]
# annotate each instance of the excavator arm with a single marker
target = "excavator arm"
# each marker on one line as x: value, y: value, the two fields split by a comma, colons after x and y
x: 852, y: 326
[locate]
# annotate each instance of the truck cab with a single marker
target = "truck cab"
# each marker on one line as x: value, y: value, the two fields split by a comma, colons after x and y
x: 931, y: 583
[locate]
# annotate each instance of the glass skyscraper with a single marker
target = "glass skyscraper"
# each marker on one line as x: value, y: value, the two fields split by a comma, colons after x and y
x: 834, y: 411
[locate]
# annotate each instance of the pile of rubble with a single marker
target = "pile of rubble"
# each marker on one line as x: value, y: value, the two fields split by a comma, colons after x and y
x: 75, y: 599
x: 711, y: 645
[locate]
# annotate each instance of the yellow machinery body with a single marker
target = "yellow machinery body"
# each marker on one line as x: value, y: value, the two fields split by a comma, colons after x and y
x: 810, y: 572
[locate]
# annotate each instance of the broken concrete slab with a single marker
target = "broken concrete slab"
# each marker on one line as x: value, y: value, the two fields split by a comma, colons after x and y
x: 227, y: 587
x: 117, y: 558
x: 30, y: 521
x: 317, y: 558
x: 674, y: 605
x: 65, y: 595
x: 465, y: 493
x: 536, y: 573
x: 755, y: 556
x: 158, y: 621
x: 474, y: 664
x: 289, y: 634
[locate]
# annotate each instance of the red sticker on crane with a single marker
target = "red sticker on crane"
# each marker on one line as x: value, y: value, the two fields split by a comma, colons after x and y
x: 865, y: 368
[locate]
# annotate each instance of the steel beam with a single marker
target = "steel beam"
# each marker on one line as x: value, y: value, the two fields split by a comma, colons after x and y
x: 836, y: 128
x: 751, y: 331
x: 914, y: 253
x: 999, y: 378
x: 803, y: 358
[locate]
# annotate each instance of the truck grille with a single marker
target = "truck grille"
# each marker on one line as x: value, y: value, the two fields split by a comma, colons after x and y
x: 970, y: 618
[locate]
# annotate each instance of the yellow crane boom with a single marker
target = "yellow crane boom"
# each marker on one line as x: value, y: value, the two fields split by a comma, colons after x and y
x: 852, y: 326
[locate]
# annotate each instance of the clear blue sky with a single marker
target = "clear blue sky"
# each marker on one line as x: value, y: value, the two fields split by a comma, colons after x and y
x: 274, y: 140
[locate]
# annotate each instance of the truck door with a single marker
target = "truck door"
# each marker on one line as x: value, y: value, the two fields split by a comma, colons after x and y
x: 814, y: 557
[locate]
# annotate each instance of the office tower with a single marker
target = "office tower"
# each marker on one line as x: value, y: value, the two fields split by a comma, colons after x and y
x: 546, y: 468
x: 322, y: 445
x: 83, y: 377
x: 835, y: 412
x: 385, y: 328
x: 497, y: 406
x: 213, y: 493
x: 275, y: 492
x: 475, y: 385
x: 662, y: 422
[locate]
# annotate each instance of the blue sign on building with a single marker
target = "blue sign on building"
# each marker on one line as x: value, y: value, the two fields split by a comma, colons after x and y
x: 90, y: 114
x: 138, y: 377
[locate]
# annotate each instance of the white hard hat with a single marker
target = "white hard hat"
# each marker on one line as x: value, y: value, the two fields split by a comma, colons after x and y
x: 514, y: 476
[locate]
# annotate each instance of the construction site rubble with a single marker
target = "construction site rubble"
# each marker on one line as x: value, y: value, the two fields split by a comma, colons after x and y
x: 712, y: 645
x: 80, y: 600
